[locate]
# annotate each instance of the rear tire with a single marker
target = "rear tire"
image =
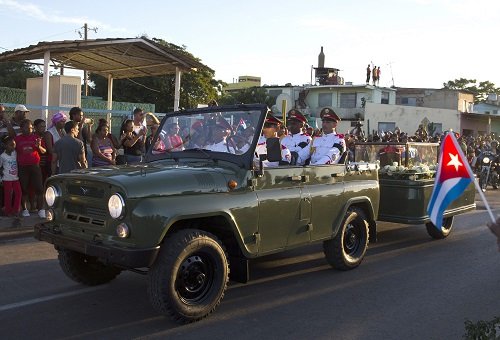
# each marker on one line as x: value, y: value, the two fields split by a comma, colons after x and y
x: 433, y: 231
x: 188, y: 280
x: 483, y: 181
x: 86, y: 269
x: 347, y: 249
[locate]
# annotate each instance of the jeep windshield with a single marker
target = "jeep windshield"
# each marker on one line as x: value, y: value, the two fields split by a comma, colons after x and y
x: 218, y: 133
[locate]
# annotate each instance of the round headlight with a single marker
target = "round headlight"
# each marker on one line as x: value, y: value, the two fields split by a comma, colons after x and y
x: 486, y: 160
x: 122, y: 230
x: 115, y: 206
x: 50, y: 195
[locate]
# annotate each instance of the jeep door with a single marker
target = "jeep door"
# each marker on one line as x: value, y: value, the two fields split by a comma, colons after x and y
x: 284, y: 208
x: 325, y: 183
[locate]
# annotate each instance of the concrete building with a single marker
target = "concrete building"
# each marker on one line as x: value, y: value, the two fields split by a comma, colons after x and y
x: 244, y: 82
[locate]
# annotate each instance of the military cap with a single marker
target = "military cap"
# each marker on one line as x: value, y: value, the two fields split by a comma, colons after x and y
x: 270, y: 119
x: 329, y: 114
x: 296, y: 115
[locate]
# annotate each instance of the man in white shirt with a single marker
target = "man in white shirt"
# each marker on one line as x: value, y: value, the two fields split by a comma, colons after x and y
x: 221, y: 131
x: 270, y: 130
x: 328, y: 148
x: 296, y: 140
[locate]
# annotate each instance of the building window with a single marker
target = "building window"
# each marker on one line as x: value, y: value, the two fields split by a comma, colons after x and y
x: 385, y: 98
x: 324, y: 99
x: 386, y: 126
x: 348, y: 100
x: 274, y: 93
x: 495, y: 112
x: 409, y: 101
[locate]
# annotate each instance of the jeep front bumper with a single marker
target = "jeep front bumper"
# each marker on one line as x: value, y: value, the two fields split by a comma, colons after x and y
x: 119, y: 256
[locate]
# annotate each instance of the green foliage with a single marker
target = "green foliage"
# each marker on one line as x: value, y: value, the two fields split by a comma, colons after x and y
x: 480, y: 90
x: 198, y: 87
x: 15, y: 96
x: 13, y: 74
x: 250, y: 95
x: 482, y: 330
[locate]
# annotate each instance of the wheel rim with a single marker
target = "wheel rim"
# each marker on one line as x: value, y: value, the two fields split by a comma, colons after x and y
x: 352, y: 239
x: 195, y: 278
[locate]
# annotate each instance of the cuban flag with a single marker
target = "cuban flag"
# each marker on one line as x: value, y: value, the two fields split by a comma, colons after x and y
x: 242, y: 124
x: 453, y: 176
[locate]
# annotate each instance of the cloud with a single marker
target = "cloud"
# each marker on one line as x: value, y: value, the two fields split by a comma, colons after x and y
x: 35, y: 12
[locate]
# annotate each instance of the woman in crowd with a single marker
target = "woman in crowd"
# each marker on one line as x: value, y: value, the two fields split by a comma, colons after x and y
x: 133, y: 143
x: 28, y: 149
x: 53, y: 134
x: 40, y: 130
x: 103, y: 150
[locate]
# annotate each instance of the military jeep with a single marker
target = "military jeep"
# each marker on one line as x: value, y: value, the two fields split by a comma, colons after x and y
x: 191, y: 218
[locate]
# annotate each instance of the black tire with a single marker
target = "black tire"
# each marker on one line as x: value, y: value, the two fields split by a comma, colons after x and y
x: 86, y: 269
x: 347, y: 249
x: 445, y: 229
x: 483, y: 181
x: 189, y: 277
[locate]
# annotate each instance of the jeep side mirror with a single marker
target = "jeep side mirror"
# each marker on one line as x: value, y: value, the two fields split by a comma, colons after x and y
x: 273, y: 149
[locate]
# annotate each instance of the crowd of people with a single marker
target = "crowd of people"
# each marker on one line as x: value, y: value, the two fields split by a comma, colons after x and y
x: 31, y: 151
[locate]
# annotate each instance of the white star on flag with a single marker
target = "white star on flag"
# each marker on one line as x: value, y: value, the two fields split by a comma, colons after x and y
x: 454, y: 161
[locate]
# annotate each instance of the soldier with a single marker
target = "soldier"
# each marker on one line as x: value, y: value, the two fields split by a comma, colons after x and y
x: 328, y: 148
x: 270, y: 130
x: 221, y: 131
x: 297, y: 141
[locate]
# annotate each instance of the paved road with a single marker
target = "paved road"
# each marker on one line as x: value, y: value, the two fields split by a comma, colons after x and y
x: 408, y: 287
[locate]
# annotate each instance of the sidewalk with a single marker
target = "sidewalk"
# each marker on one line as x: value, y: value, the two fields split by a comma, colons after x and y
x: 18, y: 227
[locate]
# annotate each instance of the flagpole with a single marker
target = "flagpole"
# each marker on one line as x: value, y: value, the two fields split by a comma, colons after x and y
x: 480, y: 191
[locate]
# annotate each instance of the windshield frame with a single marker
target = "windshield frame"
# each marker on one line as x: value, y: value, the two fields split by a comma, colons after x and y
x: 244, y: 160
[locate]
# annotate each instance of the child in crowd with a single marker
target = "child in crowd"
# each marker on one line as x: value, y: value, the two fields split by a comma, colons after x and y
x: 11, y: 184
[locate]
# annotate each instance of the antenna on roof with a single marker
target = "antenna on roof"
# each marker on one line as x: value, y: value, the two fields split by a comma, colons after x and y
x: 86, y: 28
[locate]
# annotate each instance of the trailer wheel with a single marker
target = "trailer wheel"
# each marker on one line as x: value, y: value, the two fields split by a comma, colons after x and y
x: 347, y: 249
x: 445, y: 229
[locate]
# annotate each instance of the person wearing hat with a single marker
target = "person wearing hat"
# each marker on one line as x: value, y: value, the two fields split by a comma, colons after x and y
x: 297, y: 141
x: 270, y: 130
x: 19, y: 116
x: 220, y: 132
x: 327, y: 148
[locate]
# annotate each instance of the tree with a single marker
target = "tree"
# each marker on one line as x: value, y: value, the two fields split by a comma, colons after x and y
x: 480, y: 91
x: 247, y: 96
x: 14, y: 74
x: 196, y: 87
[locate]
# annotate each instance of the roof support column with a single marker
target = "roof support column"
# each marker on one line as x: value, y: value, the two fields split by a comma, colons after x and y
x: 110, y: 92
x: 45, y: 85
x: 177, y: 91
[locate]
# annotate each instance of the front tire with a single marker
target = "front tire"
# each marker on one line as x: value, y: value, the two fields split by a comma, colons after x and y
x: 445, y: 229
x: 347, y: 249
x: 86, y: 269
x: 483, y: 180
x: 188, y: 280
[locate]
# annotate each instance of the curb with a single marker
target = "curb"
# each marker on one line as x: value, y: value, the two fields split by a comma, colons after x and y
x: 12, y: 228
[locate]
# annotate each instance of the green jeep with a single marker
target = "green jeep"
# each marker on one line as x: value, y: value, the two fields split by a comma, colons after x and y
x: 189, y: 215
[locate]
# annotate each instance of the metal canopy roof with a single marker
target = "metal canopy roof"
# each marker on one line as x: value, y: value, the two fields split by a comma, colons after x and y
x: 116, y: 57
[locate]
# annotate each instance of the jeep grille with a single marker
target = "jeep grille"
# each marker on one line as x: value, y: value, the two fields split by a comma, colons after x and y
x: 85, y: 214
x: 86, y: 191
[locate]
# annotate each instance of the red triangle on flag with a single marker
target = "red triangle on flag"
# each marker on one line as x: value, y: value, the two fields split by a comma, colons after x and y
x: 452, y: 163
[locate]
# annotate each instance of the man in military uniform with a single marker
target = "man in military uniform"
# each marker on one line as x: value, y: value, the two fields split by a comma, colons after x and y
x: 328, y: 148
x: 270, y: 130
x: 297, y: 141
x: 221, y: 130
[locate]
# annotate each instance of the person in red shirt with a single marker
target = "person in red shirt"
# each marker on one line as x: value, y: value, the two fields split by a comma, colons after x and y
x: 28, y: 149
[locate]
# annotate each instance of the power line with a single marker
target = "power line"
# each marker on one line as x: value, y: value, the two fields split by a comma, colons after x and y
x: 133, y: 81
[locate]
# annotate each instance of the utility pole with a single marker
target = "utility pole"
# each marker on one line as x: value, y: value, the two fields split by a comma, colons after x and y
x: 85, y: 75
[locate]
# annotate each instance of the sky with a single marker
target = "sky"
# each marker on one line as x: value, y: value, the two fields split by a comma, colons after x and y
x: 416, y: 43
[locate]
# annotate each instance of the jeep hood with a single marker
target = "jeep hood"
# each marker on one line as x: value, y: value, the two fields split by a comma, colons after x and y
x: 155, y: 179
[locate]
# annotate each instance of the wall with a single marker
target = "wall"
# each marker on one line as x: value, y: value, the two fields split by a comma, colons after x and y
x: 408, y: 118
